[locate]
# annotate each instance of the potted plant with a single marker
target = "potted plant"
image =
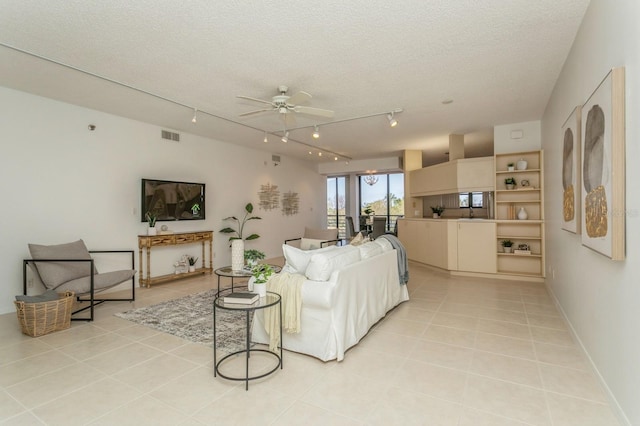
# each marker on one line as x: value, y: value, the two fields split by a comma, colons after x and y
x: 252, y: 257
x: 510, y: 167
x: 437, y: 211
x: 260, y: 274
x: 237, y: 238
x: 507, y: 245
x: 151, y: 219
x: 192, y: 263
x: 510, y: 183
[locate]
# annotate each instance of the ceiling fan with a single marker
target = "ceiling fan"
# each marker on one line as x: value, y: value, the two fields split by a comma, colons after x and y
x: 285, y: 104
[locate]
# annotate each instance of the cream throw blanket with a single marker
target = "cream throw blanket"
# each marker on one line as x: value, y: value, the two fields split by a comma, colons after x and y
x: 289, y: 287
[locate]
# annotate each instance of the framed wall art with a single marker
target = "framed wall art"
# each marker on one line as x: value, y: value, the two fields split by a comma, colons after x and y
x: 603, y: 167
x: 571, y: 167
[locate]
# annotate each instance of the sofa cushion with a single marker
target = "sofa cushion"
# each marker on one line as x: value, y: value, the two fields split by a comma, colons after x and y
x: 384, y: 243
x: 369, y: 249
x: 322, y: 265
x: 55, y: 273
x: 297, y: 259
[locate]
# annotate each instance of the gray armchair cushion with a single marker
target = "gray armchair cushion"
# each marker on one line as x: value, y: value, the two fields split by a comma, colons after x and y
x: 47, y: 296
x: 55, y: 273
x: 100, y: 282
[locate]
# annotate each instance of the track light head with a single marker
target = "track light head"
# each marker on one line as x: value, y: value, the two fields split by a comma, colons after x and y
x: 265, y: 138
x: 195, y: 116
x: 285, y: 138
x: 392, y: 121
x: 316, y: 132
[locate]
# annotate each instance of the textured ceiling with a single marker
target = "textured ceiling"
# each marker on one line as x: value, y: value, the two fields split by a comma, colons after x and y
x: 497, y: 60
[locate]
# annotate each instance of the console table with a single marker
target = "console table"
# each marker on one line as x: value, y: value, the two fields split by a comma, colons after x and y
x: 147, y: 242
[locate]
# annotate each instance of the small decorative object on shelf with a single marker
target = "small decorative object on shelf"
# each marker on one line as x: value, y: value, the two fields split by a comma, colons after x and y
x: 510, y: 167
x: 522, y: 249
x: 192, y: 263
x: 522, y: 214
x: 507, y: 245
x: 437, y: 211
x: 525, y: 183
x: 510, y: 183
x: 151, y: 219
x: 522, y: 164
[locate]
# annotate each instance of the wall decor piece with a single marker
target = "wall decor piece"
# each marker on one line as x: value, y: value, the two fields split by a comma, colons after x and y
x: 290, y: 202
x: 603, y: 167
x: 269, y: 197
x: 571, y: 172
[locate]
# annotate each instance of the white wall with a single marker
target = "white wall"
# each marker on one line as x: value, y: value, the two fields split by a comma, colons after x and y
x: 61, y: 182
x: 600, y: 297
x: 516, y: 137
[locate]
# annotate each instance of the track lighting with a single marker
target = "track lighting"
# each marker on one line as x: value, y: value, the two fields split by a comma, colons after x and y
x: 316, y: 132
x: 285, y: 138
x: 265, y: 138
x: 335, y: 158
x: 195, y: 115
x: 319, y: 153
x: 392, y: 121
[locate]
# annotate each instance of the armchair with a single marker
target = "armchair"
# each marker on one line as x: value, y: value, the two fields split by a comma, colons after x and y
x: 70, y: 267
x: 316, y: 238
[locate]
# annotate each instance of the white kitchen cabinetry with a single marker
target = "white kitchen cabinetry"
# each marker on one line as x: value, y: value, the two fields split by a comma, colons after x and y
x: 425, y: 241
x: 464, y: 175
x: 476, y: 246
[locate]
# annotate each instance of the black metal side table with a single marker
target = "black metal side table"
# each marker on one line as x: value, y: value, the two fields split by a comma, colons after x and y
x: 270, y: 300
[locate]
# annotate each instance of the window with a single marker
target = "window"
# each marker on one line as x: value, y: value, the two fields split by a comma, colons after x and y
x: 384, y: 194
x: 477, y: 199
x: 336, y: 204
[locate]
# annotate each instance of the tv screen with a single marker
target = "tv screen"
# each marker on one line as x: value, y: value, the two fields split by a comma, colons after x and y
x: 171, y: 200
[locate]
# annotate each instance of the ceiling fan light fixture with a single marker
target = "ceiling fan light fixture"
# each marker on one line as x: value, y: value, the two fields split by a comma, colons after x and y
x: 285, y: 138
x: 392, y: 121
x: 316, y: 133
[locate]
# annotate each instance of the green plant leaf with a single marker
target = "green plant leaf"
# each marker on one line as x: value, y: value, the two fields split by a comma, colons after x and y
x: 227, y: 230
x: 230, y: 217
x: 249, y: 208
x: 252, y: 237
x: 253, y: 217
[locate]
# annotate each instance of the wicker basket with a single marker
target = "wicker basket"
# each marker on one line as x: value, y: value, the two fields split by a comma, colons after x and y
x: 38, y: 319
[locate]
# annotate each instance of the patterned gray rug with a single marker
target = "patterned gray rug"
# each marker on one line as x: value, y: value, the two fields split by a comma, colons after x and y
x: 191, y: 318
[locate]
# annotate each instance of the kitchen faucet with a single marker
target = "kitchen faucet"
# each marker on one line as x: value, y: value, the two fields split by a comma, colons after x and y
x: 470, y: 212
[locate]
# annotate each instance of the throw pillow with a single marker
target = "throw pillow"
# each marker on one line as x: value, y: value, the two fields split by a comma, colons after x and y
x: 357, y: 240
x: 369, y: 249
x: 55, y: 273
x: 322, y: 265
x: 297, y: 259
x: 310, y: 244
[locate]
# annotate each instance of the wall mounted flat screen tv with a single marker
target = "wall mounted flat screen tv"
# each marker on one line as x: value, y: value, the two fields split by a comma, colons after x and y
x: 171, y: 200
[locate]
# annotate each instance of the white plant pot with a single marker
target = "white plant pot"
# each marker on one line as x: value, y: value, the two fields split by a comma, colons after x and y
x: 436, y: 215
x: 510, y: 168
x: 237, y: 255
x: 508, y: 249
x: 192, y: 268
x: 152, y: 230
x: 260, y: 288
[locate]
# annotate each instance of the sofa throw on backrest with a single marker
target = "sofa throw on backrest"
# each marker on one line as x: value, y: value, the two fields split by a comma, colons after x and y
x: 55, y: 273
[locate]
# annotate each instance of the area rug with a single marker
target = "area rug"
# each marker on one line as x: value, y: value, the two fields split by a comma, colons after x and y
x: 191, y: 318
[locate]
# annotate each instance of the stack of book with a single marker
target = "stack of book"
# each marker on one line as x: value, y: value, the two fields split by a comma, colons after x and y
x: 241, y: 298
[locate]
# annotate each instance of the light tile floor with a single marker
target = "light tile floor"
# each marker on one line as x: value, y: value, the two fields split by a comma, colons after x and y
x: 462, y: 351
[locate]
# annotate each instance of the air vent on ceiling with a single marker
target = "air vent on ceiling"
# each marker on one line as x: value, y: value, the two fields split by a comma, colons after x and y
x: 275, y: 158
x: 170, y: 136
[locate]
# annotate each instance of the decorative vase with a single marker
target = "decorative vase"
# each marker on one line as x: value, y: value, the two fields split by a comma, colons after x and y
x: 152, y: 230
x: 522, y: 214
x: 237, y: 255
x: 260, y: 288
x: 521, y: 164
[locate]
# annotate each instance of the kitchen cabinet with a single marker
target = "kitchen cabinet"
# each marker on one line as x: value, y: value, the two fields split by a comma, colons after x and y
x: 476, y: 246
x: 425, y: 240
x: 463, y: 175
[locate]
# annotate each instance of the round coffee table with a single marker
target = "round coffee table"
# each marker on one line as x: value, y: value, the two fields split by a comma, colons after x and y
x: 226, y: 271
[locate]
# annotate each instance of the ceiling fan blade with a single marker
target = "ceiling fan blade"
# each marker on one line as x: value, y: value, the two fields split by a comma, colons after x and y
x: 314, y: 111
x: 256, y: 111
x: 255, y: 99
x: 299, y: 98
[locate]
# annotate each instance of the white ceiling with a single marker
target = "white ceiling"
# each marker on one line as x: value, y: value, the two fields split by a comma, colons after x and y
x: 498, y: 61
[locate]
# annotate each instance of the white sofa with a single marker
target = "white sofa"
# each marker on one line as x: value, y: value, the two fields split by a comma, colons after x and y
x: 346, y: 291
